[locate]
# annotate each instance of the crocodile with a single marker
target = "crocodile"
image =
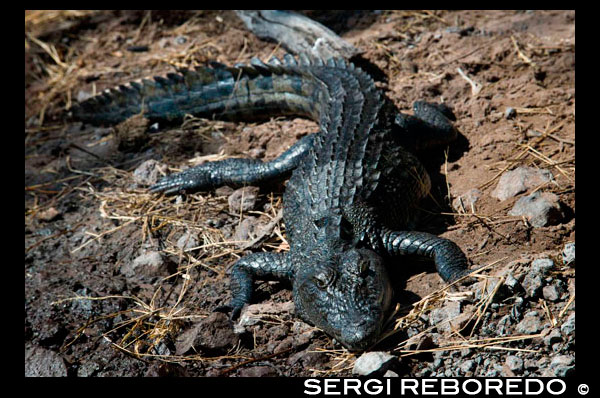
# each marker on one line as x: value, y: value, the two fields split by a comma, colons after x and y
x: 349, y: 205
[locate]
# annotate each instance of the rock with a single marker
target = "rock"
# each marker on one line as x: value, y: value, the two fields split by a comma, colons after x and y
x: 568, y: 326
x: 243, y: 199
x: 514, y: 363
x: 530, y: 324
x: 302, y: 333
x: 551, y: 293
x: 258, y: 371
x: 373, y: 362
x: 562, y: 365
x: 542, y: 266
x: 467, y: 366
x: 440, y: 317
x: 246, y: 230
x: 532, y: 283
x: 540, y: 208
x: 213, y: 334
x: 87, y: 369
x: 150, y: 263
x: 254, y: 313
x: 465, y: 203
x: 554, y: 336
x: 40, y: 362
x: 510, y: 113
x: 568, y: 253
x: 49, y: 214
x: 148, y: 172
x: 187, y: 241
x: 390, y: 373
x: 520, y: 180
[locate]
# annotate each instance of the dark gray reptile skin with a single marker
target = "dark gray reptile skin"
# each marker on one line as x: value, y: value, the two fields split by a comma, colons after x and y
x: 350, y: 201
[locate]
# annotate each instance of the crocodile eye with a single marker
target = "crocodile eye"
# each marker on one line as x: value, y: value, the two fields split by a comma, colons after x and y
x: 324, y: 278
x: 363, y: 266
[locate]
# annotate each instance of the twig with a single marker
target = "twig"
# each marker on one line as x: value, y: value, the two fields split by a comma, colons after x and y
x: 475, y: 87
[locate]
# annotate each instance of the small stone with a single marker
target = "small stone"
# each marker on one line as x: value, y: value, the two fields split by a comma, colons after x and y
x: 532, y: 283
x: 181, y: 39
x: 510, y: 112
x: 40, y: 362
x: 440, y: 317
x: 258, y: 371
x: 467, y: 366
x: 187, y: 241
x: 372, y: 362
x: 554, y: 336
x: 465, y: 203
x: 390, y: 373
x: 568, y: 253
x: 568, y: 326
x: 551, y: 293
x: 540, y: 209
x: 254, y: 313
x: 529, y: 325
x: 562, y: 365
x: 148, y: 172
x: 246, y: 230
x: 542, y: 265
x: 150, y: 263
x: 243, y: 199
x: 520, y: 180
x: 49, y: 214
x: 514, y: 363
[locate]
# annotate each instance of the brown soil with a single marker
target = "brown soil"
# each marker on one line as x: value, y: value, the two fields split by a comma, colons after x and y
x: 91, y: 309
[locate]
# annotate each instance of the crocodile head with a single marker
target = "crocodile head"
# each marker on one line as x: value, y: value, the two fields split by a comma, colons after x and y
x: 346, y: 292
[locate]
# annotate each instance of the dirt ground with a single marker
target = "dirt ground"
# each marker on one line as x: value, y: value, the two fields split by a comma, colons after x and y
x: 120, y: 282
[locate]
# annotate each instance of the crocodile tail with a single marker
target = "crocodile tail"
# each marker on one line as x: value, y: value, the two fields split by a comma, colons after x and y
x: 255, y: 91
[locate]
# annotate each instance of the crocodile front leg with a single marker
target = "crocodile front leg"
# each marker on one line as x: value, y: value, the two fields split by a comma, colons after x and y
x: 235, y: 171
x: 450, y: 261
x: 250, y: 267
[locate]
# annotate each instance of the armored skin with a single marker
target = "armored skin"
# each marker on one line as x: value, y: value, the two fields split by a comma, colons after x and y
x: 350, y: 201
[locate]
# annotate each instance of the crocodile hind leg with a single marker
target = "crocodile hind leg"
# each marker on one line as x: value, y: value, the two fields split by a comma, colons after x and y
x: 430, y: 125
x: 245, y: 270
x: 235, y: 171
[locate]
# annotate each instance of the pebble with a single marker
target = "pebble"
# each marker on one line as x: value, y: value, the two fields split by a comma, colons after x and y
x: 532, y: 283
x: 540, y: 208
x: 467, y: 366
x: 529, y: 325
x: 465, y: 203
x: 568, y: 326
x: 553, y: 337
x: 510, y: 112
x: 187, y: 241
x: 568, y: 253
x: 258, y: 371
x: 150, y: 263
x: 514, y: 363
x: 40, y: 362
x: 49, y: 214
x: 520, y: 180
x: 372, y: 362
x: 551, y: 293
x: 542, y: 265
x: 441, y: 316
x: 254, y: 313
x: 562, y: 365
x: 242, y: 199
x: 148, y: 172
